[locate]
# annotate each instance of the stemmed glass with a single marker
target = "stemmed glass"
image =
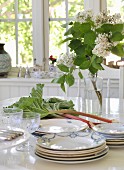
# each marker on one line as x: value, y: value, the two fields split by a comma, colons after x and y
x: 30, y: 123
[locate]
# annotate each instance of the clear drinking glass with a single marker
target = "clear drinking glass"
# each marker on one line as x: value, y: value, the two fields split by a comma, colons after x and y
x: 11, y: 117
x: 30, y: 123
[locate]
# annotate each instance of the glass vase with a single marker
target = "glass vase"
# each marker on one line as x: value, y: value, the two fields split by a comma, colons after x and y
x: 93, y: 94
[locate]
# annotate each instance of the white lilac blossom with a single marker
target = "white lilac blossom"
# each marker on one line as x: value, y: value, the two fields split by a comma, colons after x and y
x: 105, y: 17
x: 66, y: 59
x: 84, y: 16
x: 103, y: 45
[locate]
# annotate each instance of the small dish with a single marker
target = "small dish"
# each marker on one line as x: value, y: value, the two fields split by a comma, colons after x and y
x: 21, y: 139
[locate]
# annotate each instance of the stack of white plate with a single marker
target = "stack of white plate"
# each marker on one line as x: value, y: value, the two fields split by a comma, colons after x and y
x: 72, y: 147
x: 113, y: 132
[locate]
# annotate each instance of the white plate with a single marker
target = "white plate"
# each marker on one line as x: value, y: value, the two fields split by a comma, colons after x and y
x: 73, y: 161
x: 100, y: 153
x: 71, y: 153
x: 110, y: 128
x: 61, y: 125
x: 69, y: 142
x: 15, y: 142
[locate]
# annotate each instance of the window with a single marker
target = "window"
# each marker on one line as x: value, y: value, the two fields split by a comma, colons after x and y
x: 115, y: 6
x: 62, y: 11
x: 33, y: 28
x: 16, y: 30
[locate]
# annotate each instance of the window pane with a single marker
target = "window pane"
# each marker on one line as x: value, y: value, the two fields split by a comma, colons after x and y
x: 25, y: 9
x: 57, y: 9
x: 25, y: 49
x: 7, y: 36
x: 56, y: 36
x: 115, y: 6
x: 7, y: 9
x: 74, y: 9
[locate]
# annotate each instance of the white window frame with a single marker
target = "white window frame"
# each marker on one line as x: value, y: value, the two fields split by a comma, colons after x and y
x: 40, y: 32
x: 41, y: 27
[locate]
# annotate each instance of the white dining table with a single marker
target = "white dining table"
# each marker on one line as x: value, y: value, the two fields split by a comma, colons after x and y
x: 10, y: 159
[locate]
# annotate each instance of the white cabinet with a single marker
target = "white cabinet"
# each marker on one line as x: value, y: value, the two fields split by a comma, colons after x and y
x: 16, y: 87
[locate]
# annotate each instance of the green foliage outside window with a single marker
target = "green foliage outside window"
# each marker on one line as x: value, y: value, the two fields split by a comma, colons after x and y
x: 21, y: 34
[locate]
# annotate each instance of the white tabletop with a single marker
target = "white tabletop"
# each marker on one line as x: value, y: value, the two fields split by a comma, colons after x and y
x: 11, y: 159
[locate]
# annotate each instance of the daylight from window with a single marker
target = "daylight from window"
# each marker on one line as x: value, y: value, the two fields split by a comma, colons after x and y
x: 16, y: 30
x: 63, y: 11
x: 115, y: 6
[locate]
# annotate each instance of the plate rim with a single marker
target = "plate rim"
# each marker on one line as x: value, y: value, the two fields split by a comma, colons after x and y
x: 108, y: 133
x: 84, y: 125
x: 99, y: 143
x: 74, y: 162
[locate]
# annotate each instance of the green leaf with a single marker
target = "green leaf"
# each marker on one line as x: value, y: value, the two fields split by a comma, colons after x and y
x: 78, y: 60
x: 89, y: 38
x: 80, y: 75
x: 42, y: 106
x: 55, y: 80
x: 72, y: 69
x: 116, y: 36
x: 65, y: 40
x: 59, y: 80
x: 81, y: 50
x: 85, y: 65
x: 118, y: 50
x: 70, y: 79
x: 63, y: 87
x: 75, y: 44
x: 93, y: 70
x: 93, y: 58
x: 84, y: 27
x: 69, y: 31
x: 117, y: 28
x: 63, y: 68
x: 99, y: 59
x: 97, y: 66
x: 100, y: 30
x: 107, y: 27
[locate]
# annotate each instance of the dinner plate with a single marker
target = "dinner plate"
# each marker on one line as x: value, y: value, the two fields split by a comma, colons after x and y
x: 100, y: 153
x: 115, y: 139
x: 116, y: 146
x: 15, y: 142
x: 73, y: 161
x: 116, y: 129
x: 61, y: 125
x: 115, y: 142
x: 70, y: 154
x: 70, y: 142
